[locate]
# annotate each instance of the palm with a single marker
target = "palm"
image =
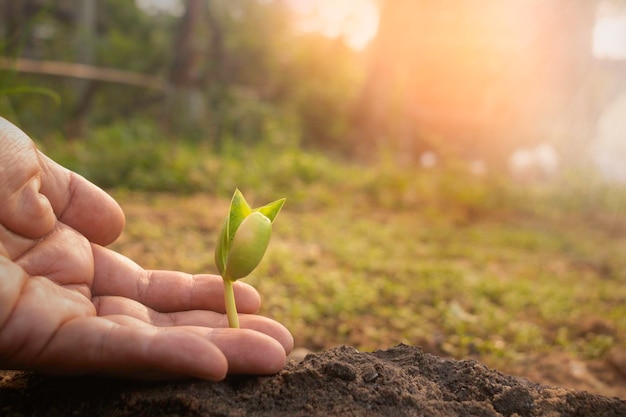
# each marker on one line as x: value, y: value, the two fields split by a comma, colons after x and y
x: 67, y: 304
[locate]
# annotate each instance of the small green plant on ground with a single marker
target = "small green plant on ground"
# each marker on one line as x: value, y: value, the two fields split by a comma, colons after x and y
x: 242, y: 243
x: 504, y: 273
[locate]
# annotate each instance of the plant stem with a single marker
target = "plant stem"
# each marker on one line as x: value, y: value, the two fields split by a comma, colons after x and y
x: 229, y: 302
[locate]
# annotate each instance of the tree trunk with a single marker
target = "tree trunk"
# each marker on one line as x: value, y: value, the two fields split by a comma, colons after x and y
x: 198, y: 70
x: 86, y: 19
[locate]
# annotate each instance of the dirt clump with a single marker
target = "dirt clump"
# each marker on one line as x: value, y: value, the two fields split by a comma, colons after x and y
x: 399, y: 381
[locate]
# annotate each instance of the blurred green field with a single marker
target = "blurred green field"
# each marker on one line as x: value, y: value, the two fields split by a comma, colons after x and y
x: 375, y: 255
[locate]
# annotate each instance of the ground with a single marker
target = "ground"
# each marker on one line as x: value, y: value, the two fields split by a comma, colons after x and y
x: 542, y: 301
x: 399, y: 381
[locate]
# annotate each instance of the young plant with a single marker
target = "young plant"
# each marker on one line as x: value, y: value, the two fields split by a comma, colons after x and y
x: 241, y: 245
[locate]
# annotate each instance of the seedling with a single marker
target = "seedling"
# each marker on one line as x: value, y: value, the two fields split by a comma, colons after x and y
x: 241, y: 245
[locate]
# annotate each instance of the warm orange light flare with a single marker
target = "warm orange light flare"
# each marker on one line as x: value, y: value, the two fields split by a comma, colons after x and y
x: 485, y: 75
x: 356, y: 21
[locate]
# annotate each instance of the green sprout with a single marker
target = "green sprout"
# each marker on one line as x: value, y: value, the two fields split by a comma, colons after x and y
x: 241, y: 245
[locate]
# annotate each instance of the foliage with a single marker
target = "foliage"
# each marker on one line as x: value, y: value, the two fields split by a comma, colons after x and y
x: 499, y: 278
x: 379, y: 254
x: 135, y: 156
x: 252, y: 74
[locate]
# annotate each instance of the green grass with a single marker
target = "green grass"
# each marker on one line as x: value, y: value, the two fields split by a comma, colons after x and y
x: 372, y: 256
x: 342, y: 274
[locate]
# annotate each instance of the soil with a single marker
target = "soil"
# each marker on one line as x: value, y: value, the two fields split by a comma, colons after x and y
x: 399, y: 381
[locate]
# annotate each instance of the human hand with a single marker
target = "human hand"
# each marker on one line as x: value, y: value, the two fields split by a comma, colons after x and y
x: 68, y: 305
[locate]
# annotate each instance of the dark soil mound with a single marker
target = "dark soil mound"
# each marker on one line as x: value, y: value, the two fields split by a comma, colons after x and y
x: 400, y: 381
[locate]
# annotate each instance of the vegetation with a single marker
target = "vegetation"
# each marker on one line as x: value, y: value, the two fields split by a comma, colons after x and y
x: 373, y: 255
x: 241, y: 244
x: 231, y: 71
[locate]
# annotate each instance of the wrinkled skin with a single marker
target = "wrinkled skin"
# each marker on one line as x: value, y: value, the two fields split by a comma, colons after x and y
x: 69, y: 305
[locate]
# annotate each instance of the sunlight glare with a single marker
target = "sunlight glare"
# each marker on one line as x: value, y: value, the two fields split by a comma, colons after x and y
x: 172, y: 7
x: 609, y: 34
x: 356, y: 21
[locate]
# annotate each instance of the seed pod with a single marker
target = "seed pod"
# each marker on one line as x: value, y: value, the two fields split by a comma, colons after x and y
x: 248, y: 246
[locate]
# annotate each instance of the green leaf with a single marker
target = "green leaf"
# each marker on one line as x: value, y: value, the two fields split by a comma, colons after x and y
x: 221, y: 249
x: 33, y: 90
x: 272, y: 209
x: 248, y: 246
x: 239, y: 210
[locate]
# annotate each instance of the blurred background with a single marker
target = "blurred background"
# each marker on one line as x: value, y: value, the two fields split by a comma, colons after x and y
x: 455, y: 171
x: 493, y: 82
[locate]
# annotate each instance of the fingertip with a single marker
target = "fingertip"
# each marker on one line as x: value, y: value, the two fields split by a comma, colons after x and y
x: 116, y: 220
x: 250, y: 352
x: 271, y: 328
x: 195, y: 356
x: 94, y: 212
x: 81, y: 204
x: 276, y: 362
x: 286, y: 339
x: 247, y: 297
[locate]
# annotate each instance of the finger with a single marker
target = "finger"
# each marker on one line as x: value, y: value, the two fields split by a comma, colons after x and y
x: 132, y: 349
x: 108, y: 306
x: 270, y: 327
x: 122, y: 346
x: 35, y: 191
x: 52, y: 255
x: 41, y: 309
x: 247, y: 351
x: 15, y: 244
x: 12, y: 281
x: 24, y: 210
x: 165, y: 291
x: 81, y: 204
